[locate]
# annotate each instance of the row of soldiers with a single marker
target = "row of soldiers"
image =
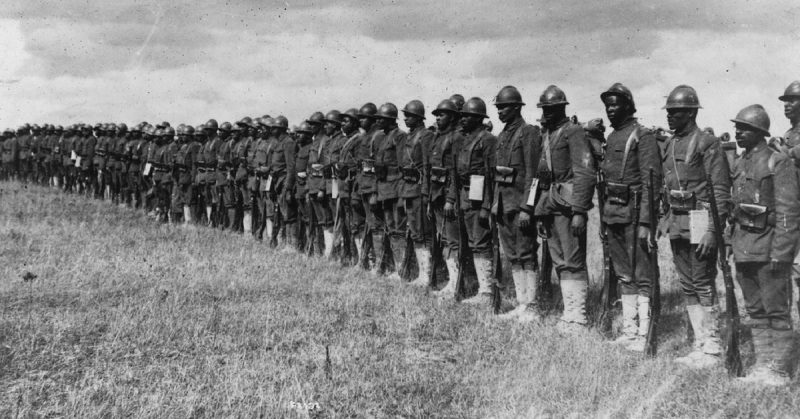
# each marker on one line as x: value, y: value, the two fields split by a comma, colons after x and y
x: 355, y: 186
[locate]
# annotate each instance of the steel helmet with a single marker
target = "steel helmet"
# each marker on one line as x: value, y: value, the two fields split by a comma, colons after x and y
x: 369, y: 110
x: 508, y: 95
x: 304, y: 127
x: 245, y: 122
x: 475, y: 106
x: 619, y: 89
x: 388, y: 111
x: 334, y: 116
x: 226, y: 126
x: 266, y: 121
x: 754, y: 116
x: 316, y: 118
x: 458, y: 99
x: 351, y: 113
x: 552, y: 96
x: 188, y: 130
x: 281, y: 122
x: 169, y: 132
x: 683, y: 97
x: 236, y: 127
x: 181, y: 129
x: 59, y: 128
x: 446, y: 105
x: 792, y: 91
x: 199, y: 131
x: 212, y: 124
x: 416, y: 108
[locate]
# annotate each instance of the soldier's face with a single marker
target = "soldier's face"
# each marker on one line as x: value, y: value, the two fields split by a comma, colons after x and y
x: 385, y: 123
x: 350, y: 125
x: 791, y: 108
x: 471, y: 122
x: 679, y: 118
x: 330, y: 128
x: 617, y: 109
x: 747, y: 137
x: 553, y: 114
x: 366, y: 123
x: 444, y: 120
x: 411, y: 121
x: 507, y: 113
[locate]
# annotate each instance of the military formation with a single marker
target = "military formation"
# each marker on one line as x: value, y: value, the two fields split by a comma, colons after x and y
x: 439, y: 205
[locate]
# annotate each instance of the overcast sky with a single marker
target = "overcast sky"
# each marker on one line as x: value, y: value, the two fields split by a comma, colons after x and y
x: 186, y: 61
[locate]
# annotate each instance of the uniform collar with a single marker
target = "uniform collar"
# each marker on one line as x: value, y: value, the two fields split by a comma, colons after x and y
x: 625, y: 124
x: 758, y: 149
x: 512, y: 126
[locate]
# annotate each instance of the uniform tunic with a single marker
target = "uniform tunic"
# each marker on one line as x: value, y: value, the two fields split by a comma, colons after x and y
x: 411, y: 160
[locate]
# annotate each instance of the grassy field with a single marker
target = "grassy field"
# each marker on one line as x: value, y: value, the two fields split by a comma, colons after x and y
x: 130, y: 318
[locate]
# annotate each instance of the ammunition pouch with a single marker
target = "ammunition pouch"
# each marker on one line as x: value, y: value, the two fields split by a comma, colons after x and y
x: 317, y: 170
x: 368, y: 167
x: 439, y: 175
x: 411, y: 175
x: 504, y: 175
x: 682, y: 201
x: 262, y: 172
x: 618, y: 193
x: 752, y: 217
x: 545, y: 179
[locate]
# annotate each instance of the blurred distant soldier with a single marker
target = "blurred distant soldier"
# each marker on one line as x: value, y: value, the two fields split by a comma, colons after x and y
x: 440, y: 210
x: 185, y: 168
x: 298, y: 193
x: 690, y: 154
x: 100, y: 160
x: 516, y: 156
x: 244, y: 201
x: 85, y: 160
x: 323, y: 154
x: 766, y: 210
x: 37, y: 152
x: 261, y: 148
x: 791, y: 110
x: 458, y: 100
x: 388, y: 176
x: 149, y: 155
x: 475, y: 162
x: 346, y: 171
x: 162, y: 177
x: 226, y: 187
x: 10, y: 154
x: 134, y: 150
x: 118, y: 164
x: 631, y: 151
x: 216, y: 135
x: 411, y: 157
x: 282, y: 183
x: 366, y: 180
x: 24, y: 152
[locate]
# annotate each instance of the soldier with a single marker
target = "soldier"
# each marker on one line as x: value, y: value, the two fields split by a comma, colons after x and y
x: 86, y: 161
x: 216, y: 135
x: 24, y: 152
x: 516, y: 156
x: 117, y: 164
x: 440, y: 171
x: 282, y: 183
x: 345, y: 172
x: 99, y: 161
x: 367, y: 186
x: 10, y: 155
x: 259, y: 163
x: 185, y: 167
x: 244, y: 195
x: 323, y: 155
x: 226, y: 188
x: 766, y: 202
x: 134, y: 150
x: 388, y: 176
x: 475, y: 162
x: 302, y: 150
x: 411, y: 159
x: 162, y: 177
x: 37, y: 152
x: 631, y: 152
x: 791, y: 110
x: 689, y: 155
x: 149, y: 155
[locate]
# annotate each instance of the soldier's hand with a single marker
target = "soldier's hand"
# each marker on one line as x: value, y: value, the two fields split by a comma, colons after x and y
x: 643, y: 234
x: 541, y: 230
x: 449, y: 210
x: 483, y: 218
x: 320, y: 195
x: 663, y: 228
x: 707, y: 245
x: 524, y: 220
x: 578, y: 224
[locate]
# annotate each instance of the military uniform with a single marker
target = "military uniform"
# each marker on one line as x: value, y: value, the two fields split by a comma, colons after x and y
x: 282, y: 189
x: 10, y: 157
x: 24, y: 154
x: 207, y: 178
x: 226, y: 191
x: 346, y: 171
x: 244, y: 195
x: 186, y: 173
x: 411, y: 161
x: 300, y: 191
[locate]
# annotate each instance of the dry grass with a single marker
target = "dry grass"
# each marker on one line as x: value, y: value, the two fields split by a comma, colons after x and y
x: 129, y: 318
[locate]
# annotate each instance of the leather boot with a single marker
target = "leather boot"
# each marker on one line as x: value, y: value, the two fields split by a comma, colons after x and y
x: 424, y: 263
x: 643, y: 309
x: 521, y: 289
x: 483, y: 270
x: 769, y: 346
x: 531, y: 312
x: 573, y: 290
x: 449, y: 290
x: 711, y: 345
x: 698, y: 359
x: 629, y: 328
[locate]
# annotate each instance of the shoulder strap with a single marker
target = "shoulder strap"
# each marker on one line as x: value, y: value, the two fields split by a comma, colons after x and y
x: 548, y: 155
x: 632, y: 139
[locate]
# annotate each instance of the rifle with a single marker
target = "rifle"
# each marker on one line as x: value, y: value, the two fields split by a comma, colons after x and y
x: 409, y: 258
x: 608, y: 295
x: 545, y: 284
x: 366, y: 248
x: 497, y: 260
x: 387, y: 264
x: 311, y: 242
x: 277, y: 222
x: 463, y: 243
x: 344, y: 228
x: 651, y: 342
x: 733, y: 358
